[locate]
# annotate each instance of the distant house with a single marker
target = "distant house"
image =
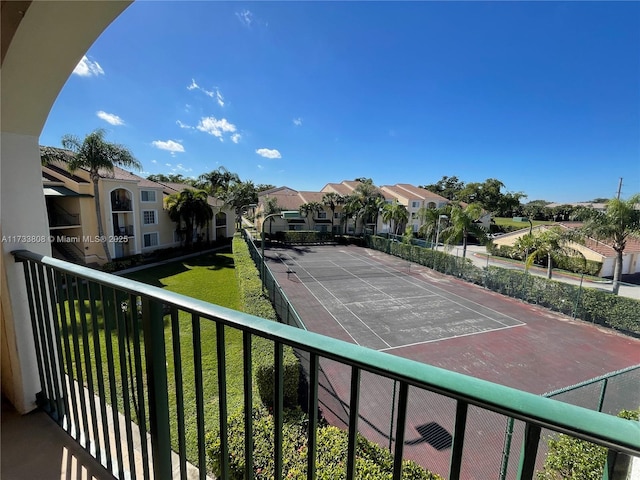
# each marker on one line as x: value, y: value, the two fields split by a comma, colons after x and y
x: 132, y: 210
x: 413, y: 198
x: 592, y: 249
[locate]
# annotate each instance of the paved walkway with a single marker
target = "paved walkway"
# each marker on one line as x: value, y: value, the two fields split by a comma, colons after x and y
x: 478, y: 255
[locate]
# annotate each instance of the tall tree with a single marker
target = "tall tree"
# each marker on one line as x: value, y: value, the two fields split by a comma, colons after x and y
x: 396, y: 213
x: 551, y: 244
x: 308, y: 209
x: 96, y: 155
x: 614, y: 226
x: 447, y: 187
x: 462, y: 222
x: 429, y: 218
x: 352, y: 209
x: 218, y: 181
x: 332, y: 200
x: 270, y: 206
x: 191, y: 207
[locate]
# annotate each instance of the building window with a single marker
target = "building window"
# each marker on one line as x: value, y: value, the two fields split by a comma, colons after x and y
x: 337, y: 215
x: 415, y: 204
x: 148, y: 195
x: 150, y: 239
x: 322, y: 215
x: 149, y: 217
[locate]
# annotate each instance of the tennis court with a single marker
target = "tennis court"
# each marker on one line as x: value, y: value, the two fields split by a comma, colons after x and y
x: 384, y: 306
x: 368, y: 297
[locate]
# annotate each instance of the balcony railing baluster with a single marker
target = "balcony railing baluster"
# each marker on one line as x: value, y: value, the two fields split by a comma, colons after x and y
x: 197, y: 362
x: 314, y: 365
x: 56, y: 348
x: 247, y: 360
x: 401, y: 420
x: 141, y: 396
x: 177, y: 372
x: 156, y: 363
x: 529, y: 451
x: 222, y: 399
x: 458, y: 439
x: 123, y: 336
x: 278, y: 400
x: 354, y: 402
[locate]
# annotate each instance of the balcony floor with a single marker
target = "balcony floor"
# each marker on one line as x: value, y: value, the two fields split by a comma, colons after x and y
x: 33, y: 446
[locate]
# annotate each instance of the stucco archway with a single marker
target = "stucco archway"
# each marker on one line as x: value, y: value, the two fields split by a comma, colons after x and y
x: 42, y: 42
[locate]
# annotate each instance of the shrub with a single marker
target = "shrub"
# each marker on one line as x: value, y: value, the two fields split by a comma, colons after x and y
x: 372, y: 461
x: 572, y: 459
x: 306, y: 236
x: 255, y: 302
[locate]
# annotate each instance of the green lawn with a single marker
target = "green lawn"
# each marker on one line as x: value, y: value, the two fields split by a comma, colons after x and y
x: 510, y: 222
x: 210, y: 278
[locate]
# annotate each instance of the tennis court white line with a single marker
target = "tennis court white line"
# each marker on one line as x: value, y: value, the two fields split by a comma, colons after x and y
x: 406, y: 278
x: 321, y: 303
x: 341, y: 303
x: 449, y: 338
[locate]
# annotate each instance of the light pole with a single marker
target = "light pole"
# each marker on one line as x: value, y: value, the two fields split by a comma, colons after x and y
x: 252, y: 205
x: 440, y: 217
x: 283, y: 214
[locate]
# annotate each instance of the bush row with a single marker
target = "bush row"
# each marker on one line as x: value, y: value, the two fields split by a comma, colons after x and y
x: 372, y: 461
x: 589, y: 304
x: 571, y: 264
x: 255, y: 302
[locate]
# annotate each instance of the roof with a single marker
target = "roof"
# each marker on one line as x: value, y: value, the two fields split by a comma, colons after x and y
x: 53, y: 168
x: 411, y: 192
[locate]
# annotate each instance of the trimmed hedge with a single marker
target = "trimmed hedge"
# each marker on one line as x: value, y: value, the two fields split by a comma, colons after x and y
x: 588, y: 304
x: 372, y: 461
x: 570, y: 458
x: 304, y: 236
x: 255, y: 302
x: 571, y: 264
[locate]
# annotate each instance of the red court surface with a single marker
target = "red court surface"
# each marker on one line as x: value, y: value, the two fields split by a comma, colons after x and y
x: 543, y: 351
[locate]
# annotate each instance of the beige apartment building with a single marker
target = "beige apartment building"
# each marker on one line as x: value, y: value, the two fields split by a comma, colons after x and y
x: 132, y: 210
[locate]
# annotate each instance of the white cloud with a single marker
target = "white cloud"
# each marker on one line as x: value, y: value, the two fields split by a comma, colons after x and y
x: 87, y: 68
x: 167, y: 164
x: 209, y: 93
x: 169, y: 145
x: 215, y: 127
x: 180, y: 168
x: 183, y: 125
x: 219, y: 98
x: 235, y: 138
x: 245, y: 17
x: 110, y: 118
x: 154, y: 161
x: 260, y: 167
x: 268, y: 153
x: 297, y: 121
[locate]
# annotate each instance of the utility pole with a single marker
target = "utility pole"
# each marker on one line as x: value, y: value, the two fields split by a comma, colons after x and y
x: 619, y: 189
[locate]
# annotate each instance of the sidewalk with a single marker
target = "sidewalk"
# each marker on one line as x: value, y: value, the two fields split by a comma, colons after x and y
x: 480, y: 258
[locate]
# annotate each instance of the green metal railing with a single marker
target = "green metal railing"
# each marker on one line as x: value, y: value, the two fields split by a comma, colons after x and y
x: 103, y: 354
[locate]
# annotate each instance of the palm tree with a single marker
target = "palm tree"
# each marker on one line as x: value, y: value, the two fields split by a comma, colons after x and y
x: 332, y: 200
x: 615, y: 225
x: 352, y: 209
x: 372, y: 207
x: 552, y: 243
x: 396, y: 213
x: 429, y: 218
x: 191, y: 207
x: 310, y: 208
x: 462, y: 222
x: 97, y: 156
x: 218, y: 181
x: 270, y: 207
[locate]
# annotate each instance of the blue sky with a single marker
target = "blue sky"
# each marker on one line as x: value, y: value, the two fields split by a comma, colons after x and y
x: 543, y: 96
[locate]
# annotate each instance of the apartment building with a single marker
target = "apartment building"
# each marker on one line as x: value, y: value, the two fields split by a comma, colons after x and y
x: 132, y: 210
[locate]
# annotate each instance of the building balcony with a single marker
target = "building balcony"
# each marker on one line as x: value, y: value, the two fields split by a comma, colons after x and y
x: 122, y: 372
